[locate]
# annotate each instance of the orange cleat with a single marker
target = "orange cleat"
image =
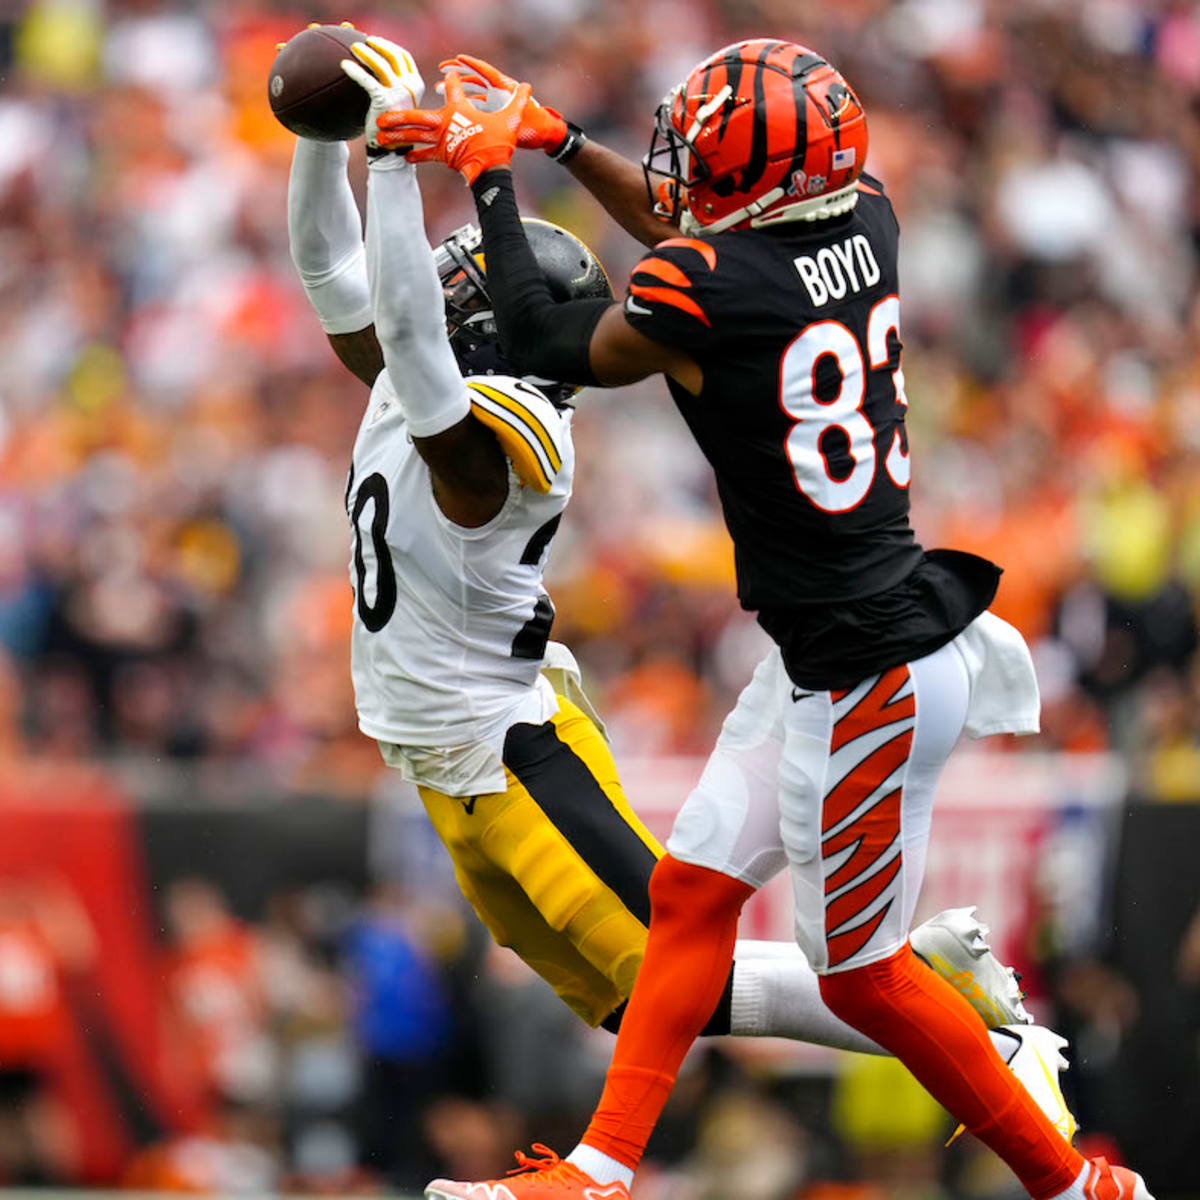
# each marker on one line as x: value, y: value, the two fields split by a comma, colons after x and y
x: 1113, y: 1183
x: 545, y: 1178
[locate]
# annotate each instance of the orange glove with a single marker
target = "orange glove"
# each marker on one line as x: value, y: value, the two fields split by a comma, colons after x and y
x: 458, y: 134
x: 542, y: 128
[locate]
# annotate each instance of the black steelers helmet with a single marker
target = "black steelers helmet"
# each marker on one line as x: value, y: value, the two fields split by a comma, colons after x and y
x: 571, y: 269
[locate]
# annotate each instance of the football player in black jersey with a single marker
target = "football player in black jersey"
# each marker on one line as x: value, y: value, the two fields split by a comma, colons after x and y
x: 774, y: 316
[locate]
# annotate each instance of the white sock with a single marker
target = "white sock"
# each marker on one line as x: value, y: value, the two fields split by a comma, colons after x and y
x: 1075, y: 1191
x: 599, y: 1166
x: 777, y: 994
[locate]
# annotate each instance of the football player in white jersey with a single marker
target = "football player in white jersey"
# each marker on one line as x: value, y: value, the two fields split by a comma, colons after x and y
x: 460, y: 475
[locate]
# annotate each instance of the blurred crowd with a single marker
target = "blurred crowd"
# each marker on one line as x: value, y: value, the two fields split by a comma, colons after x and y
x: 174, y: 439
x: 361, y: 1045
x: 174, y: 432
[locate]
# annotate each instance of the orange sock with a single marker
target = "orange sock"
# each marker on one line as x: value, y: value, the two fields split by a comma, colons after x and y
x: 926, y: 1024
x: 693, y: 926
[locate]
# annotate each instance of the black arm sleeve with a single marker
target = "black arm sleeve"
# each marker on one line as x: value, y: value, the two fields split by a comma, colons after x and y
x: 537, y: 336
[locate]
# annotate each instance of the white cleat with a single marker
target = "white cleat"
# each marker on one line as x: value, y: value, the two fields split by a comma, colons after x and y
x: 1037, y: 1062
x: 1034, y: 1054
x: 954, y: 944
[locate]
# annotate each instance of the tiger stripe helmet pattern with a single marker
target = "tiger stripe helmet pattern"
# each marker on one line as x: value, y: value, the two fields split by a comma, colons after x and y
x: 759, y: 133
x: 526, y: 424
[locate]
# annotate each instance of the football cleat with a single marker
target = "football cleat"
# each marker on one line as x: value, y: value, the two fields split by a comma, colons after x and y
x: 954, y: 944
x: 1037, y: 1061
x: 546, y: 1178
x: 1034, y: 1054
x: 1113, y: 1183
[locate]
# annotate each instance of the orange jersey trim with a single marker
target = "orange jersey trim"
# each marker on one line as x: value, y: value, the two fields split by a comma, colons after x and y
x: 705, y: 251
x: 675, y: 299
x: 661, y: 269
x: 866, y: 187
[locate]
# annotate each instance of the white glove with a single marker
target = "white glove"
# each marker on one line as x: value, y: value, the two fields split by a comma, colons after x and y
x: 487, y: 97
x: 388, y: 75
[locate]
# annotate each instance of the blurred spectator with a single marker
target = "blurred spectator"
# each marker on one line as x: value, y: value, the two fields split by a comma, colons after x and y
x: 891, y: 1126
x: 403, y: 1023
x: 238, y: 1157
x: 215, y: 989
x: 29, y: 1156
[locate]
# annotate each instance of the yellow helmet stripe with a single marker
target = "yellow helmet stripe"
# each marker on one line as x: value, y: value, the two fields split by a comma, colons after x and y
x: 524, y: 414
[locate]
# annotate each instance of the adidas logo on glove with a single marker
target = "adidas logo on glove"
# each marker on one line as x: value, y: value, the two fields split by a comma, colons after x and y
x: 460, y: 129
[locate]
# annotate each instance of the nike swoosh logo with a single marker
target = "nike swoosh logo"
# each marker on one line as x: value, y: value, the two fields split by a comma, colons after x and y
x: 469, y: 805
x: 631, y: 305
x: 797, y: 694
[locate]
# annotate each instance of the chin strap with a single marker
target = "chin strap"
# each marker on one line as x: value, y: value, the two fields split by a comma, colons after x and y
x: 815, y: 208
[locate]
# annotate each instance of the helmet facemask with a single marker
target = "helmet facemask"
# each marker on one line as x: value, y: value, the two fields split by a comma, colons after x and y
x: 673, y: 157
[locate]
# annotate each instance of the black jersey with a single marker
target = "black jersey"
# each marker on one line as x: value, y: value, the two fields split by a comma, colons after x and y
x: 797, y: 332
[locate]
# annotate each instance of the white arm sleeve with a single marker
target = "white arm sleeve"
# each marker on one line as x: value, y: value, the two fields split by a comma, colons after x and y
x: 326, y: 236
x: 410, y: 310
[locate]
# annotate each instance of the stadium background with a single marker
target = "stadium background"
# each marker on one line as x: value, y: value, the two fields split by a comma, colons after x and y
x: 231, y: 956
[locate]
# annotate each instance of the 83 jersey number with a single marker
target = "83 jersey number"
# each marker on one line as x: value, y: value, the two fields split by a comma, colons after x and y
x: 813, y: 418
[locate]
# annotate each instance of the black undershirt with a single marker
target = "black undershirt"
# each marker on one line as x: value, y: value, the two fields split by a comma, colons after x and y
x: 537, y: 335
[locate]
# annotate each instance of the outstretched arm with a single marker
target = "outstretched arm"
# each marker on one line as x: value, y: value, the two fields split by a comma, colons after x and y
x: 580, y: 341
x: 325, y: 237
x: 621, y: 187
x: 468, y: 470
x: 617, y: 183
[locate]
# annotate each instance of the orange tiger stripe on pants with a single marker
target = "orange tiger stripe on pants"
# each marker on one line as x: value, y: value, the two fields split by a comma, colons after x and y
x: 860, y: 816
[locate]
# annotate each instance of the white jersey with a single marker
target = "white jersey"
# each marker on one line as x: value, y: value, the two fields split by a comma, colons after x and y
x: 450, y: 623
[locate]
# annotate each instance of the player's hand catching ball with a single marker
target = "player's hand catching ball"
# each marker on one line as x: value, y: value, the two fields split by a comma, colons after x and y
x: 387, y: 73
x: 465, y: 138
x: 542, y: 127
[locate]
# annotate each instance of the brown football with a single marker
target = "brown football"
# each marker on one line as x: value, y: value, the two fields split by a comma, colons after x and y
x: 309, y: 91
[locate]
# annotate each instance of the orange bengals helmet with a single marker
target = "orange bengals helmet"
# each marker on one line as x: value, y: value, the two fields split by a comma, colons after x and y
x: 759, y: 133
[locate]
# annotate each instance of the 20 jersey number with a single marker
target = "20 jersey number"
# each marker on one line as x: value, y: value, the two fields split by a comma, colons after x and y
x: 814, y: 418
x: 528, y: 642
x: 374, y: 615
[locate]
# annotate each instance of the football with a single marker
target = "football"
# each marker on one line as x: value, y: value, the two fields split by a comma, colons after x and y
x: 309, y: 92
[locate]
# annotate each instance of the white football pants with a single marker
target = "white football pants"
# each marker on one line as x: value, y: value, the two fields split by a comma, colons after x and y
x: 839, y: 786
